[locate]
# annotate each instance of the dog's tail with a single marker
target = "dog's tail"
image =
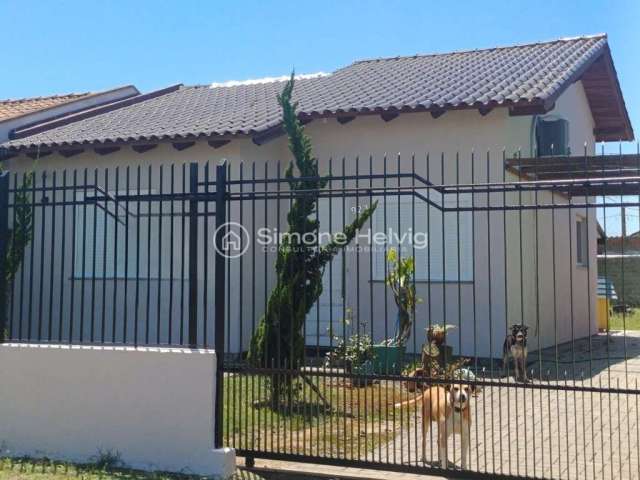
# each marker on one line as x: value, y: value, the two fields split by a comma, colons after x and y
x: 408, y: 402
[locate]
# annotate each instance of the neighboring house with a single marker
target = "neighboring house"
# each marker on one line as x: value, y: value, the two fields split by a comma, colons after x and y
x: 16, y: 114
x: 618, y: 245
x: 537, y: 99
x: 619, y: 261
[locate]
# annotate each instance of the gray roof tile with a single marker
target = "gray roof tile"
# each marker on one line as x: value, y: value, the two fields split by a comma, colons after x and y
x: 504, y: 76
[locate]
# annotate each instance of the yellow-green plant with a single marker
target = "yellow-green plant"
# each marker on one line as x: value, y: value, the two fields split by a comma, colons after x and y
x: 400, y: 280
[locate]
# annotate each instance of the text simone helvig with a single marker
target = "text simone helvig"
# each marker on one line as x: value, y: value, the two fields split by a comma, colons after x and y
x: 266, y: 236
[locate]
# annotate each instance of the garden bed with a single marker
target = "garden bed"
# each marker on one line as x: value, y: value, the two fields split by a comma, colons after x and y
x: 355, y: 421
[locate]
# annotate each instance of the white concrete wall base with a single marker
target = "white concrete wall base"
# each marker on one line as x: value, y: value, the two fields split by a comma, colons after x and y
x: 154, y: 407
x: 224, y: 460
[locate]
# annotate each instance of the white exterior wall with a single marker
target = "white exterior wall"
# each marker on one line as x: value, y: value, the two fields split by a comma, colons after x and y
x: 483, y: 321
x: 558, y: 295
x: 74, y: 403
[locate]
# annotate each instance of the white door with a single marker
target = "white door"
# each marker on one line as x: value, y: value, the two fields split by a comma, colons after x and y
x: 326, y: 317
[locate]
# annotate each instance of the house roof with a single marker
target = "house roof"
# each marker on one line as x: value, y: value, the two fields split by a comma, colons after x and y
x: 13, y: 108
x: 526, y: 78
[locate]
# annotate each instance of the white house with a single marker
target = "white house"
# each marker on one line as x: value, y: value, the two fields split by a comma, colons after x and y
x: 465, y: 110
x: 24, y: 112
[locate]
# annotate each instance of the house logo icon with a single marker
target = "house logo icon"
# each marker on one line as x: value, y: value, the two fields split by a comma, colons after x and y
x: 235, y: 240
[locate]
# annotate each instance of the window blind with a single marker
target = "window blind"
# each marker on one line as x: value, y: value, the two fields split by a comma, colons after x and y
x: 449, y: 248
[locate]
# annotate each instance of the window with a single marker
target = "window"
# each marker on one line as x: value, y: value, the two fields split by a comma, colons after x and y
x: 552, y: 136
x: 102, y: 228
x: 431, y: 264
x: 582, y: 242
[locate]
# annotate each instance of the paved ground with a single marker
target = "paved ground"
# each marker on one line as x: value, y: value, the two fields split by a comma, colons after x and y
x: 551, y: 433
x: 279, y: 470
x: 533, y: 431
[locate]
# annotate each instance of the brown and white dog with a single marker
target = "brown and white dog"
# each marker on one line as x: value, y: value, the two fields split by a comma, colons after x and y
x: 449, y: 407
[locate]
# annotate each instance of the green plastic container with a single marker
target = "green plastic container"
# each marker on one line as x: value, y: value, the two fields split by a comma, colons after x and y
x: 365, y: 369
x: 388, y: 359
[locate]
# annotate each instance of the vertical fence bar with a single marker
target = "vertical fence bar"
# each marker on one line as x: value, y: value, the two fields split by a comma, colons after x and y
x: 205, y: 259
x: 63, y: 251
x: 171, y: 257
x: 136, y: 316
x: 160, y: 259
x: 182, y: 264
x: 193, y: 256
x: 115, y: 274
x: 12, y: 291
x: 4, y: 242
x: 42, y: 255
x: 220, y: 295
x: 105, y: 239
x: 54, y: 191
x: 148, y: 246
x: 126, y: 258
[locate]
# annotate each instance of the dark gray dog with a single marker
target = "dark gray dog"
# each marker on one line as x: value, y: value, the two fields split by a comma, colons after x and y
x: 515, y: 346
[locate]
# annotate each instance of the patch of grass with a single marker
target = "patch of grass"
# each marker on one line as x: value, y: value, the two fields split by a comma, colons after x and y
x: 44, y: 469
x: 629, y: 321
x: 358, y: 420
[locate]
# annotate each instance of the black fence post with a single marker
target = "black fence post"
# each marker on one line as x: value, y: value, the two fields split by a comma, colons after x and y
x: 4, y: 242
x: 220, y: 295
x: 193, y: 255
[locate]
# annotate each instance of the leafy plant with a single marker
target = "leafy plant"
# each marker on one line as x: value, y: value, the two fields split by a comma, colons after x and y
x: 437, y: 333
x: 107, y: 460
x: 278, y: 341
x: 20, y: 235
x: 433, y: 354
x: 353, y: 352
x: 400, y: 280
x: 22, y: 232
x: 411, y: 367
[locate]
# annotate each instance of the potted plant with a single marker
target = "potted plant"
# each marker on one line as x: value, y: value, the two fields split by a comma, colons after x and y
x: 355, y: 355
x: 389, y: 355
x: 435, y: 353
x: 415, y: 373
x: 438, y: 333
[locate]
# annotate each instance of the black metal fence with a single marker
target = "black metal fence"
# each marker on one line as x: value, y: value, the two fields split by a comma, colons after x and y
x: 115, y: 257
x: 180, y: 255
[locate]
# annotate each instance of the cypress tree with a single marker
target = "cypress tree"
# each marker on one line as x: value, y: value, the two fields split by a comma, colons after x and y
x: 279, y: 341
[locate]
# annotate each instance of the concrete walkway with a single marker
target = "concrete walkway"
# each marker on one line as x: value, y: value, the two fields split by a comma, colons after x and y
x: 546, y: 432
x: 279, y: 470
x: 542, y: 430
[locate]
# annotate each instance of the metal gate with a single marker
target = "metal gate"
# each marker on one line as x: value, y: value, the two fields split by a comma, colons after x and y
x: 181, y: 255
x: 510, y: 242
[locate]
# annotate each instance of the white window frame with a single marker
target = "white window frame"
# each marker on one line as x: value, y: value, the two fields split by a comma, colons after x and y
x: 582, y: 241
x: 85, y: 236
x: 429, y: 262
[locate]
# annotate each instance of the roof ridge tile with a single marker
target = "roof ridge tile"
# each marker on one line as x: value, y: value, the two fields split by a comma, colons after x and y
x: 478, y: 50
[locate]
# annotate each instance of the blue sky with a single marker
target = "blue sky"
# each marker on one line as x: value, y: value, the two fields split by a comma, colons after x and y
x: 65, y: 46
x: 68, y: 45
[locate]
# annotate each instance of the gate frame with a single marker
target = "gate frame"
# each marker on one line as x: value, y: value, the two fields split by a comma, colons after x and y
x: 220, y: 286
x: 4, y: 243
